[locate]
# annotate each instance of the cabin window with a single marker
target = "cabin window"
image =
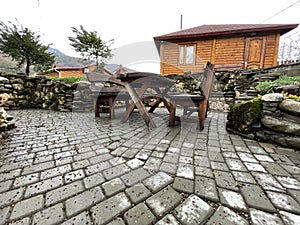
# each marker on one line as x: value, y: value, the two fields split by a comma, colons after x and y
x: 186, y: 54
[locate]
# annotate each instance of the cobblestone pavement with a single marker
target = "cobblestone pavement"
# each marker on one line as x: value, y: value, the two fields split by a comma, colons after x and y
x: 70, y: 168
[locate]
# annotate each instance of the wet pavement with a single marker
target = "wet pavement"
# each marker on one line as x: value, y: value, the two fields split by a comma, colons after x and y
x: 70, y: 168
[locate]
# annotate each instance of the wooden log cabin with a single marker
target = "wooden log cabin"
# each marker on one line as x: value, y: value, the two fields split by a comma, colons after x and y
x: 228, y: 46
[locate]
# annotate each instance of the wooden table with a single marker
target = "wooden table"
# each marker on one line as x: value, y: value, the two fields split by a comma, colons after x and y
x: 137, y: 83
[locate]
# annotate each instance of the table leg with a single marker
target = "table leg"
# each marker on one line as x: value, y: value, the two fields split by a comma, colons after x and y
x: 139, y: 104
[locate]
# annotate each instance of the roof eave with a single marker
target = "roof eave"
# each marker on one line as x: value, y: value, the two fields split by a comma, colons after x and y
x: 283, y: 29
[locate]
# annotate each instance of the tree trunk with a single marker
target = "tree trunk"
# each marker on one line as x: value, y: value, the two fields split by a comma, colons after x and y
x: 27, y: 67
x: 97, y: 64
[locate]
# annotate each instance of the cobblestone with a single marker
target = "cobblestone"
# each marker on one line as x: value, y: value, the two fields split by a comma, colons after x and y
x: 70, y: 168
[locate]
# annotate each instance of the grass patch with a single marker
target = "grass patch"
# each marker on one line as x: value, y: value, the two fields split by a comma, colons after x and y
x: 69, y: 80
x: 269, y: 86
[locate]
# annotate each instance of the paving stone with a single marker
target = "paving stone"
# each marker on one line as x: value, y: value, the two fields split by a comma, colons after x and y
x: 183, y: 185
x: 289, y: 182
x: 93, y: 180
x: 24, y: 221
x: 43, y: 186
x: 201, y: 161
x: 171, y: 157
x: 37, y: 167
x: 257, y: 150
x: 56, y: 171
x: 290, y: 218
x: 216, y: 156
x: 243, y: 177
x: 193, y: 211
x: 295, y: 194
x: 255, y: 197
x: 158, y: 181
x: 27, y: 207
x: 113, y: 186
x: 135, y: 176
x: 219, y: 166
x: 168, y: 220
x: 137, y: 193
x: 292, y: 169
x: 97, y: 168
x: 275, y: 169
x: 284, y: 202
x: 83, y: 201
x: 164, y: 201
x: 255, y: 167
x: 139, y: 214
x: 63, y: 192
x: 236, y: 164
x: 143, y: 154
x: 232, y: 199
x: 168, y: 168
x: 204, y: 172
x: 115, y: 171
x: 117, y: 221
x: 80, y: 164
x: 206, y: 188
x: 225, y: 180
x: 282, y: 159
x: 25, y: 180
x: 247, y: 157
x: 186, y: 171
x: 10, y: 197
x: 135, y: 163
x: 51, y: 215
x: 73, y: 175
x: 263, y: 158
x: 262, y: 218
x: 9, y: 175
x: 82, y: 218
x: 4, y: 212
x: 106, y: 211
x: 230, y: 155
x: 153, y: 163
x: 224, y: 215
x: 5, y: 185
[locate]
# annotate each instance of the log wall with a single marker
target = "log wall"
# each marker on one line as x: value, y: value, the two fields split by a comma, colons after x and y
x: 225, y: 53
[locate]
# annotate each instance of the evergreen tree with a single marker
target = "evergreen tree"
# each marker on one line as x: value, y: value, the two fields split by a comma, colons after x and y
x: 24, y: 47
x: 90, y: 45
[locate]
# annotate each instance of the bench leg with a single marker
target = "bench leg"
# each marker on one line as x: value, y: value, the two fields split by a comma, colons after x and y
x: 172, y: 113
x: 202, y: 109
x: 111, y: 107
x: 96, y: 106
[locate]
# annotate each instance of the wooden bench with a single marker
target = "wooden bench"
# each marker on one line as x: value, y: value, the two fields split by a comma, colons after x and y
x: 200, y: 102
x: 103, y: 94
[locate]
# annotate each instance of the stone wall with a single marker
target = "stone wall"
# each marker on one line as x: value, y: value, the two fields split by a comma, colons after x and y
x: 272, y: 118
x: 36, y: 92
x: 240, y: 85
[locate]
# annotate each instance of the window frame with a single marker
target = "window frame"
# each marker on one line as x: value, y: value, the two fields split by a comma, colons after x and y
x: 183, y: 54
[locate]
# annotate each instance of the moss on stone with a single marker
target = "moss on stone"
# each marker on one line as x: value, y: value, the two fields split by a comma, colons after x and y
x: 243, y: 116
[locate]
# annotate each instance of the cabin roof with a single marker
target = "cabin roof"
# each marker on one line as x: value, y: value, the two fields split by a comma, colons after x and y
x: 226, y: 29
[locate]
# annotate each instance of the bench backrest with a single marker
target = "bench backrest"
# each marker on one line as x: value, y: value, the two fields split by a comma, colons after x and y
x: 98, y: 81
x: 208, y: 79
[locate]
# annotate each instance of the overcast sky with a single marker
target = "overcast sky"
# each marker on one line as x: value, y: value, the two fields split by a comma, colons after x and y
x: 133, y: 21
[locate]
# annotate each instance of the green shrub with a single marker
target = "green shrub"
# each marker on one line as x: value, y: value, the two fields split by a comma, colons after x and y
x: 269, y: 86
x: 69, y: 80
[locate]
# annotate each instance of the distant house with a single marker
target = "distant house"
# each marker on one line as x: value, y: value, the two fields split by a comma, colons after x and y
x: 68, y: 71
x: 111, y: 69
x: 228, y: 46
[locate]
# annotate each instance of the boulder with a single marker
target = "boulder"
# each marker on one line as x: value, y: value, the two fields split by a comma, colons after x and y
x: 272, y: 97
x: 281, y: 125
x: 243, y: 117
x: 290, y: 106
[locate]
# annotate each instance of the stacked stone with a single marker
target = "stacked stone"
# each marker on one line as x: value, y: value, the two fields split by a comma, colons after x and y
x: 37, y: 92
x: 83, y: 101
x: 281, y: 120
